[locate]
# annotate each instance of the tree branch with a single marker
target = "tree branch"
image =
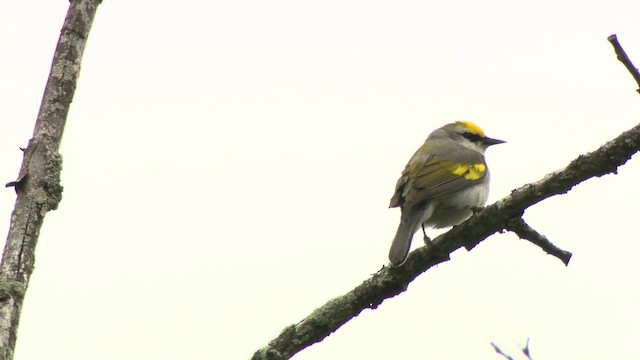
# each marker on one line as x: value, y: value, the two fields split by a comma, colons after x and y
x: 525, y: 350
x: 500, y: 352
x: 504, y: 214
x: 526, y: 232
x: 622, y: 56
x: 38, y: 184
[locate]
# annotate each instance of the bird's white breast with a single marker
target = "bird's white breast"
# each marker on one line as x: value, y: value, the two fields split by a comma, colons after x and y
x: 454, y: 209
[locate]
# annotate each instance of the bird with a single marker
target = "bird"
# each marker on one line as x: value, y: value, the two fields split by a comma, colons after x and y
x: 442, y: 185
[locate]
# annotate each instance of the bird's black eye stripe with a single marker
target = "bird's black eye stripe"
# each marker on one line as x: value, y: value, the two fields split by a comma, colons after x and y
x: 472, y: 137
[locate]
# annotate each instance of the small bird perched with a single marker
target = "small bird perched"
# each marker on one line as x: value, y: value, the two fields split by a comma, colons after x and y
x: 443, y: 183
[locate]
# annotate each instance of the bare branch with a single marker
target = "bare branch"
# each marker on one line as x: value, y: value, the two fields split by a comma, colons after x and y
x: 499, y: 351
x: 526, y: 232
x: 38, y: 184
x: 622, y: 56
x: 526, y: 351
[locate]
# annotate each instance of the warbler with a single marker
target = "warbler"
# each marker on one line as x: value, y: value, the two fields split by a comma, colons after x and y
x: 445, y: 181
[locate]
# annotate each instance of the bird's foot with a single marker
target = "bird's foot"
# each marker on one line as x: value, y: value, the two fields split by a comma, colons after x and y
x: 427, y: 239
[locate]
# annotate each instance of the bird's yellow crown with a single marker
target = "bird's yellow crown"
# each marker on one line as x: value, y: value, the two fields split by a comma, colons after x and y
x: 473, y: 128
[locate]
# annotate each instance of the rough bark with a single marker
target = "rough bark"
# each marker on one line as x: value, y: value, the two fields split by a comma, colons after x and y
x: 38, y: 185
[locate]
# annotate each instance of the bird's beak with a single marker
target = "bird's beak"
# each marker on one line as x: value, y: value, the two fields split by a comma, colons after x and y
x: 490, y: 141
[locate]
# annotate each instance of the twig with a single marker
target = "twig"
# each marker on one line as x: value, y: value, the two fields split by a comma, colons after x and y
x: 526, y: 232
x: 526, y: 351
x: 497, y: 349
x: 622, y: 56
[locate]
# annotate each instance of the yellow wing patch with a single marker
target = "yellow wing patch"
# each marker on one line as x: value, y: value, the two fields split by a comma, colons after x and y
x: 475, y: 129
x: 469, y: 171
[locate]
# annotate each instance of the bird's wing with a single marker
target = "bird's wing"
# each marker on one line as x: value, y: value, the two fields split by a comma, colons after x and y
x: 429, y: 177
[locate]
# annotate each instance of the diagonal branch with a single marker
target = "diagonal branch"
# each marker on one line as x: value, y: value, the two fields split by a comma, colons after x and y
x: 500, y: 352
x: 38, y: 184
x: 504, y: 214
x: 526, y: 232
x: 624, y: 59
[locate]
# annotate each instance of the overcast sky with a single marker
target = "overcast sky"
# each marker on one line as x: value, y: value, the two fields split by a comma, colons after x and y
x: 228, y: 167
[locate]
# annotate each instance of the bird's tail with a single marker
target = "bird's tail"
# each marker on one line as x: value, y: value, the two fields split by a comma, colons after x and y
x: 409, y: 223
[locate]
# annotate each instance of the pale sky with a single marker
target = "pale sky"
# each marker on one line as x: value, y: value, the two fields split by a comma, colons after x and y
x: 228, y: 167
